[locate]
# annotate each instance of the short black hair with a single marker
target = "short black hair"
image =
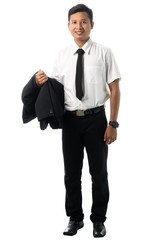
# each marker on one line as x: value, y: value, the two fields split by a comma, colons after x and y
x: 81, y: 8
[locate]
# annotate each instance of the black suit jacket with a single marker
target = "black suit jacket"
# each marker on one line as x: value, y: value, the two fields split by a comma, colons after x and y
x: 45, y: 102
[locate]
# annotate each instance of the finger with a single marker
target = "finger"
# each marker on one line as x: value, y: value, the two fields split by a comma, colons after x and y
x: 113, y: 140
x: 108, y: 141
x: 40, y: 75
x: 44, y: 77
x: 44, y: 80
x: 41, y: 71
x: 105, y: 136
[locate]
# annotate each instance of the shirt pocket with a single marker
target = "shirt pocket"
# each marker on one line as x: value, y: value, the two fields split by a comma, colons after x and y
x: 94, y: 74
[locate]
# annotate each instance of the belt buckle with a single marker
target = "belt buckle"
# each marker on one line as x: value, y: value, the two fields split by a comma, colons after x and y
x: 80, y: 113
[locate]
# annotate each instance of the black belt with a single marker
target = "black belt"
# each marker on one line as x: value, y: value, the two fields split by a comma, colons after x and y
x: 90, y: 111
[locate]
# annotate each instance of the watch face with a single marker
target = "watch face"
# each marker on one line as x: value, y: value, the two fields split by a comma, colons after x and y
x: 114, y: 124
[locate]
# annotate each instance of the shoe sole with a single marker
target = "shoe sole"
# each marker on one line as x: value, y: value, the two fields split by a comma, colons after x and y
x: 67, y: 234
x: 95, y: 236
x: 98, y: 236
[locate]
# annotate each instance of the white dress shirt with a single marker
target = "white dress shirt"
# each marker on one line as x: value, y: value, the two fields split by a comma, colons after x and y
x: 100, y: 69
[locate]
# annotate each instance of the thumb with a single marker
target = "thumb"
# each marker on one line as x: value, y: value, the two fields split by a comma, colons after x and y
x: 105, y: 135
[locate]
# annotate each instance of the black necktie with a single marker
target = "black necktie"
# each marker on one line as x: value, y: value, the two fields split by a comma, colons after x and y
x: 79, y: 74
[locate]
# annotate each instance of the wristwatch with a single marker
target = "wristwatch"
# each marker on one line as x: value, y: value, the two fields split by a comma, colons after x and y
x: 114, y: 124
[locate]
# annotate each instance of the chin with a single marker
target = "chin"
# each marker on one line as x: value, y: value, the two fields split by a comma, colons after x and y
x: 78, y: 39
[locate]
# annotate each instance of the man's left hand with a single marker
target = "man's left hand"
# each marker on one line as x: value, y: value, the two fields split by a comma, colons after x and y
x: 110, y: 135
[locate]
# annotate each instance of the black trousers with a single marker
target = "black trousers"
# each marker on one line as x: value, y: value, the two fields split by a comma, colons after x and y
x: 79, y: 133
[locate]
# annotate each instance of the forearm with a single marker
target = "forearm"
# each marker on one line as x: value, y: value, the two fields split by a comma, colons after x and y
x: 114, y: 104
x: 111, y: 132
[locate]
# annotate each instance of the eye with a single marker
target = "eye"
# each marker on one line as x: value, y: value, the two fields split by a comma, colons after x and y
x: 74, y: 22
x: 84, y: 22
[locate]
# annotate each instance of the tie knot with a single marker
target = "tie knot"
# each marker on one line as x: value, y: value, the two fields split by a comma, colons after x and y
x: 80, y: 51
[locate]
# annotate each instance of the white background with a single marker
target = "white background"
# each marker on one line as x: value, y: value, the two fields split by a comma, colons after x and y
x: 31, y: 163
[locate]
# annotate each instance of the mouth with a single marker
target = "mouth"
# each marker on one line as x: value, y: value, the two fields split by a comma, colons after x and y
x: 79, y: 32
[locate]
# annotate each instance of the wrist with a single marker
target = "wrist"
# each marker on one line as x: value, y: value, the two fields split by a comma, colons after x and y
x: 114, y: 124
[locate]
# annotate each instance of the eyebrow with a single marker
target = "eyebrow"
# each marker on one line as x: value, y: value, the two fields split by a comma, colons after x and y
x: 81, y: 19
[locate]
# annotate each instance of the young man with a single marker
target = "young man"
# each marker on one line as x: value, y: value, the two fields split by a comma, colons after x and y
x: 90, y: 76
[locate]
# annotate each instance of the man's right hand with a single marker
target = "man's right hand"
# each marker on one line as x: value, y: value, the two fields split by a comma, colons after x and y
x: 40, y: 78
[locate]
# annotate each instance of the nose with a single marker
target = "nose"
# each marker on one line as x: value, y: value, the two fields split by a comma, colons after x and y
x: 79, y: 25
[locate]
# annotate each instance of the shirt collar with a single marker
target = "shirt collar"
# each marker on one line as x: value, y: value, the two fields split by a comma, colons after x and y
x: 86, y: 47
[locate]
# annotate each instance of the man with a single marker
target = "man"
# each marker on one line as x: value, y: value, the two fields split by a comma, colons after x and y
x: 90, y: 76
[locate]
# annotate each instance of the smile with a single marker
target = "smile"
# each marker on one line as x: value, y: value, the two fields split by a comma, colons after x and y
x: 79, y: 32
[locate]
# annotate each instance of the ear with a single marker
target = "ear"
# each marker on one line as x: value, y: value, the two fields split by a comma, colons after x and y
x: 68, y: 26
x: 92, y: 25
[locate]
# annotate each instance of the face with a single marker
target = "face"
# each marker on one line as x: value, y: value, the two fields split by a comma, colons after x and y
x: 80, y: 27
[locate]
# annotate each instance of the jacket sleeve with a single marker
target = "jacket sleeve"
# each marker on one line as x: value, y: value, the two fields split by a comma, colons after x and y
x: 29, y: 96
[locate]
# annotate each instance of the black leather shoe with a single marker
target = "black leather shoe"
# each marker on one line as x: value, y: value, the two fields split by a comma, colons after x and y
x: 73, y: 227
x: 99, y: 229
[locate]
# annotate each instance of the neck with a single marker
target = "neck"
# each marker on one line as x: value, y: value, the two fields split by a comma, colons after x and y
x: 80, y: 43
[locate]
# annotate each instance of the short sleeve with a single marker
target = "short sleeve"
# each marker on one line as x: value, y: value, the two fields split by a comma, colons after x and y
x: 113, y: 72
x: 55, y: 73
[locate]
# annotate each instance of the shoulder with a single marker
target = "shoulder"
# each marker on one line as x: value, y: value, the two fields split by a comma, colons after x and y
x: 100, y: 47
x: 64, y: 51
